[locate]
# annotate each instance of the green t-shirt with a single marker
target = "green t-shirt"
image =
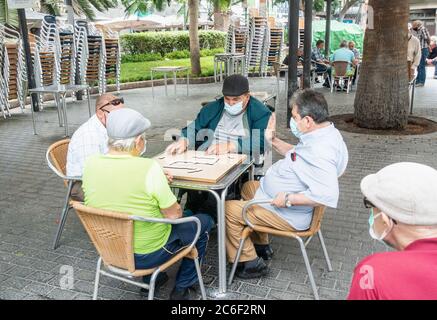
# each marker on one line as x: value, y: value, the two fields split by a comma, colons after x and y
x: 133, y: 185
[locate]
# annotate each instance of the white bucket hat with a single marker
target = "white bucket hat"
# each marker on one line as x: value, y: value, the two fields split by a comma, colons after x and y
x: 405, y: 191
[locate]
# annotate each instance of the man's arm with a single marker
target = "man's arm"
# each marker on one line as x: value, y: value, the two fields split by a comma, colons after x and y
x: 270, y: 135
x: 172, y: 212
x: 297, y: 199
x: 201, y: 122
x: 281, y: 146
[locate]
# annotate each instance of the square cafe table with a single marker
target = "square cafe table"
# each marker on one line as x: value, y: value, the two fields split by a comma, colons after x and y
x: 59, y: 91
x: 165, y: 70
x: 219, y: 191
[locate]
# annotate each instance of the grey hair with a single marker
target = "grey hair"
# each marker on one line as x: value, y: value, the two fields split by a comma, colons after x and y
x: 343, y: 44
x: 313, y: 104
x: 124, y: 145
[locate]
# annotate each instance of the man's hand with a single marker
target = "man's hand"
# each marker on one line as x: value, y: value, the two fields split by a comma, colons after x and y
x: 270, y: 132
x: 279, y: 200
x: 221, y: 148
x: 169, y: 176
x: 177, y: 147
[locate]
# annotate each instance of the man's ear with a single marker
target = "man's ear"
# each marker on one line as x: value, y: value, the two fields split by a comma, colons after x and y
x: 386, y: 219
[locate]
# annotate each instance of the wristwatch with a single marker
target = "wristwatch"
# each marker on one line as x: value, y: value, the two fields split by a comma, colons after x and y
x: 288, y: 203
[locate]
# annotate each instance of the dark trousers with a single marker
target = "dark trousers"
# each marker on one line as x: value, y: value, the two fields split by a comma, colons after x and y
x: 77, y: 191
x: 205, y: 202
x: 421, y: 69
x: 181, y: 236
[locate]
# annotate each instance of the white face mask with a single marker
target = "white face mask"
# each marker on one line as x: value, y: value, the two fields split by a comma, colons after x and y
x: 372, y: 232
x: 235, y: 109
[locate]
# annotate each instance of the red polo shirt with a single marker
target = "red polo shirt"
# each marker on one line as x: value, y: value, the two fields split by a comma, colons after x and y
x: 410, y: 274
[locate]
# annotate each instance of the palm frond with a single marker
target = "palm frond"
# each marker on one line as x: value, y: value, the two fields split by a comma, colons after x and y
x: 8, y: 17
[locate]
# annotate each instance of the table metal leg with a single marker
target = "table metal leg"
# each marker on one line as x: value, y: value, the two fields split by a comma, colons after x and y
x: 89, y: 103
x: 151, y: 78
x: 33, y: 117
x: 221, y: 241
x: 215, y: 70
x: 188, y: 82
x: 174, y: 81
x: 64, y: 107
x: 59, y: 110
x: 165, y: 80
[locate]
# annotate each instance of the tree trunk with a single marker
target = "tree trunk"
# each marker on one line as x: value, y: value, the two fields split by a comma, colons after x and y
x: 221, y: 18
x: 345, y: 9
x: 193, y: 8
x: 382, y: 97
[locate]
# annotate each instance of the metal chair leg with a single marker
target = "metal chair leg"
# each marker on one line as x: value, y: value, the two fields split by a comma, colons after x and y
x: 199, y: 276
x: 64, y: 215
x: 152, y: 284
x: 97, y: 278
x: 308, y: 266
x: 237, y: 258
x: 325, y: 252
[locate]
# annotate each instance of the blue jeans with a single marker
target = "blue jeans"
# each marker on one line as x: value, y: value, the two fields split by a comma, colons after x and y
x: 181, y: 236
x: 421, y: 69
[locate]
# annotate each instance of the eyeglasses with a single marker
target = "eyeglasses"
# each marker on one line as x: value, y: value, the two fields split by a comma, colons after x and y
x: 114, y: 102
x: 368, y: 204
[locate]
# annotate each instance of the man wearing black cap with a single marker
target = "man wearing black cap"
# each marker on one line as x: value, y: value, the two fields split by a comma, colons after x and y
x: 232, y: 124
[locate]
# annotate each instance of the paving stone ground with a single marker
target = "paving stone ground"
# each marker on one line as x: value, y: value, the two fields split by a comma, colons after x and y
x: 31, y: 197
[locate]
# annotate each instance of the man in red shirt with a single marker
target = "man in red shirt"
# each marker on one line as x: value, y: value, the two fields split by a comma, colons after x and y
x: 402, y: 199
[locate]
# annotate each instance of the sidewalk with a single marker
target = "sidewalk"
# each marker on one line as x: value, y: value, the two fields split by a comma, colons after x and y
x: 31, y: 197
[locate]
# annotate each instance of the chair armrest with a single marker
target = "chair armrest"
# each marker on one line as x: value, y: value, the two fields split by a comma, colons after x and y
x: 252, y: 203
x: 56, y: 171
x: 173, y: 221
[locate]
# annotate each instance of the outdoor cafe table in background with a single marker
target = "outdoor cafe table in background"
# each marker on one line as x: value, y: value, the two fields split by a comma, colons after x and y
x: 165, y: 70
x: 59, y: 92
x: 194, y: 170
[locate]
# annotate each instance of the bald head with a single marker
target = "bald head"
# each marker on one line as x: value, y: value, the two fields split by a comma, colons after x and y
x: 104, y: 99
x: 107, y: 103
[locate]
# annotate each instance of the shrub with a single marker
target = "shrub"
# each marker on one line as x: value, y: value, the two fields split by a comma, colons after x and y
x: 141, y: 57
x: 168, y: 41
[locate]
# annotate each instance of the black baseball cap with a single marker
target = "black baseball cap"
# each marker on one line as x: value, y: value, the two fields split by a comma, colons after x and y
x: 235, y: 85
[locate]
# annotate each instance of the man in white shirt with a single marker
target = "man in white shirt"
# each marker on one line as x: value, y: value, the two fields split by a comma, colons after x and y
x: 307, y: 177
x: 89, y: 139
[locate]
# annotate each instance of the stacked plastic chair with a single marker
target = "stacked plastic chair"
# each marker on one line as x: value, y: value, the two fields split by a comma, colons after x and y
x: 91, y: 55
x: 230, y: 40
x: 255, y: 44
x: 113, y: 58
x: 240, y: 36
x: 272, y: 50
x: 67, y: 59
x: 13, y: 75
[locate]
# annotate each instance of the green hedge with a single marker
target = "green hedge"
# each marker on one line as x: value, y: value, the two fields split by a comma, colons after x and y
x: 174, y: 55
x: 168, y: 41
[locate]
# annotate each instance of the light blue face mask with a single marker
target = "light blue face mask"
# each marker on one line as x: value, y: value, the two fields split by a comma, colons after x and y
x: 294, y: 129
x: 234, y: 110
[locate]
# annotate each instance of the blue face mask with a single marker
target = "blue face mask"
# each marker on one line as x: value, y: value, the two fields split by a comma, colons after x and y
x: 234, y: 110
x: 294, y: 129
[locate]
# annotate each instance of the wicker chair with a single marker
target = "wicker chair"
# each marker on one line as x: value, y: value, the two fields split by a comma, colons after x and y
x: 56, y: 157
x: 112, y: 235
x: 298, y: 235
x: 340, y: 73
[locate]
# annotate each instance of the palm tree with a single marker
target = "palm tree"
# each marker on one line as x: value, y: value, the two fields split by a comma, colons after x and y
x: 8, y: 17
x: 144, y: 6
x: 84, y: 7
x: 221, y: 15
x: 193, y: 10
x: 382, y: 96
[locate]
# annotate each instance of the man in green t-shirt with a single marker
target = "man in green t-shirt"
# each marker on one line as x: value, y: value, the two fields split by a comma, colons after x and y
x: 123, y: 181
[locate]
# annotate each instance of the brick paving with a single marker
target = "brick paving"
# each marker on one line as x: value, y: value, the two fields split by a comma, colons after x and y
x: 31, y: 197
